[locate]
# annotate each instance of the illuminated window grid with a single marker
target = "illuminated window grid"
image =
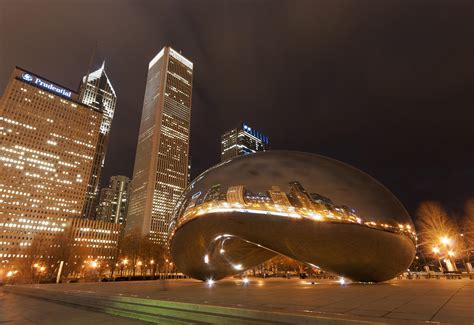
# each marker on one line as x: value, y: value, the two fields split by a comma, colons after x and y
x: 98, y: 239
x: 161, y: 163
x: 46, y: 147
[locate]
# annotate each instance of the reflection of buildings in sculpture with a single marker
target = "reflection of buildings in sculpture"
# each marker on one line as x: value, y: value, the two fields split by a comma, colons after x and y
x: 255, y: 198
x: 196, y: 199
x: 297, y: 204
x: 318, y: 198
x: 299, y: 196
x: 242, y: 140
x: 278, y: 196
x: 213, y: 193
x: 235, y: 194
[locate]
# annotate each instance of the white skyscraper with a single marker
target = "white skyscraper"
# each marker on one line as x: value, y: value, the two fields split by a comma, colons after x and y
x: 97, y: 91
x: 161, y: 163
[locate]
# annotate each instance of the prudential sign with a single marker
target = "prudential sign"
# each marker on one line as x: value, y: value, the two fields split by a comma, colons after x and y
x: 46, y: 85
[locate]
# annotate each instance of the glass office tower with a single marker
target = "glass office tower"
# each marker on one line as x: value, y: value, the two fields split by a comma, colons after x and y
x: 242, y: 140
x: 113, y: 202
x: 47, y: 145
x: 161, y: 163
x: 97, y: 91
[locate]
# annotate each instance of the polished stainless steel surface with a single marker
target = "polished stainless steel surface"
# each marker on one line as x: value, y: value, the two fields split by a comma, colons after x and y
x: 314, y: 209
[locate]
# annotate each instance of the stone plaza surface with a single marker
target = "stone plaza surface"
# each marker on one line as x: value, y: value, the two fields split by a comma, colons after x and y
x: 396, y: 301
x: 19, y: 310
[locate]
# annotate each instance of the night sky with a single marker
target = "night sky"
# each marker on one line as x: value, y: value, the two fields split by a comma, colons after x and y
x: 386, y: 86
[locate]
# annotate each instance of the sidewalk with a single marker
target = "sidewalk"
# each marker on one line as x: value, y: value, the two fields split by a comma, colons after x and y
x: 397, y: 301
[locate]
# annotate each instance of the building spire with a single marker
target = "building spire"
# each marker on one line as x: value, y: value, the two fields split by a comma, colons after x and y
x: 81, y: 93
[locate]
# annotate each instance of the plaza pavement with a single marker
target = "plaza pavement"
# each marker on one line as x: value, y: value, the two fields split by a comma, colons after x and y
x: 279, y: 300
x: 20, y: 310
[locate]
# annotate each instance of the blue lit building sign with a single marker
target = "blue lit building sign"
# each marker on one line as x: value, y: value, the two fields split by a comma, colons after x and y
x: 45, y: 85
x: 255, y: 133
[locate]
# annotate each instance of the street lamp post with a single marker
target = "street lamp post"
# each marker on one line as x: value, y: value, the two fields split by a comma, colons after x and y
x: 139, y: 264
x: 123, y: 265
x: 446, y: 241
x: 436, y: 251
x: 41, y: 271
x: 152, y: 263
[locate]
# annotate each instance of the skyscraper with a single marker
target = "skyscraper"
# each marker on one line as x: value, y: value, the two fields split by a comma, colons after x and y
x: 190, y: 162
x: 299, y: 196
x: 93, y: 239
x: 97, y: 91
x: 278, y: 196
x: 47, y: 145
x: 161, y: 162
x: 242, y: 140
x: 113, y: 202
x: 235, y: 194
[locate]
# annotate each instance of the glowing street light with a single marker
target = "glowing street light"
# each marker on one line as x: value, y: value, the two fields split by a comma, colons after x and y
x: 237, y: 266
x: 445, y: 240
x: 42, y: 269
x: 93, y: 264
x: 451, y: 253
x: 125, y: 261
x: 436, y: 251
x: 152, y: 262
x: 139, y: 263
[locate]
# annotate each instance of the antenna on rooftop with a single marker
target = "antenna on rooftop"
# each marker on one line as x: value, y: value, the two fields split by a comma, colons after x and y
x: 84, y: 84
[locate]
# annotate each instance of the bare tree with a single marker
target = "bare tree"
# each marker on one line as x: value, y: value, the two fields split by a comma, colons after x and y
x: 131, y: 248
x: 34, y: 257
x: 434, y: 224
x: 468, y: 228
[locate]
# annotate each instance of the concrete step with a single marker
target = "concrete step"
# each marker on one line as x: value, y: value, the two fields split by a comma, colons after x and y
x: 170, y: 312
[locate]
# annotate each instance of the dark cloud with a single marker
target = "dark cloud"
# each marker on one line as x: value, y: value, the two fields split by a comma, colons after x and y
x: 386, y: 86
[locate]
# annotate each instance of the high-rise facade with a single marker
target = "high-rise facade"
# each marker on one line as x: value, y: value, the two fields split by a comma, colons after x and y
x: 47, y: 146
x: 299, y: 196
x: 242, y: 140
x: 161, y: 163
x: 235, y: 194
x: 278, y: 196
x: 93, y: 240
x: 190, y: 162
x: 96, y: 90
x: 113, y: 202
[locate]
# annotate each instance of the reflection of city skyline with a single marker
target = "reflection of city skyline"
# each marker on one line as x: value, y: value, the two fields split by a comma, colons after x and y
x: 297, y: 203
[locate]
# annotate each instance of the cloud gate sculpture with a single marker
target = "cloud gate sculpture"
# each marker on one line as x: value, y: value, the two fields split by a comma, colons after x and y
x: 313, y: 209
